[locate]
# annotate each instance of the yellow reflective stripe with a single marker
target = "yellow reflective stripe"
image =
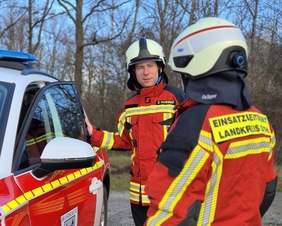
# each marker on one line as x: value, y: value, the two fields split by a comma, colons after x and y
x: 177, y: 188
x: 166, y: 116
x: 83, y: 171
x: 5, y: 209
x: 63, y: 180
x: 37, y: 191
x: 55, y: 183
x: 13, y: 204
x: 96, y: 148
x: 134, y: 186
x: 273, y: 140
x: 142, y: 188
x: 47, y: 187
x: 70, y: 177
x: 41, y: 138
x: 121, y: 121
x: 152, y: 109
x: 28, y: 195
x: 248, y: 147
x: 22, y: 199
x: 77, y: 174
x: 272, y: 145
x: 208, y: 207
x: 128, y: 119
x: 205, y: 140
x: 108, y: 140
x: 141, y: 111
x: 145, y: 199
x: 134, y: 197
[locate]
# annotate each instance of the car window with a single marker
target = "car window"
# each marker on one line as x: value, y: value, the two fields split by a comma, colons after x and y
x: 6, y: 95
x: 57, y: 113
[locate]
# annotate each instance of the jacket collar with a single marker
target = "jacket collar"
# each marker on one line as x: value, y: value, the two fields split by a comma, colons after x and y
x: 152, y: 91
x: 188, y: 103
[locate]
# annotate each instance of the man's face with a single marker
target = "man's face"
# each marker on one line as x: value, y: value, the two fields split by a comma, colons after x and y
x: 147, y: 73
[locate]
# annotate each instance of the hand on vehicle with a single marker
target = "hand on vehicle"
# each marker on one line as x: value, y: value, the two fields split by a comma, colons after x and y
x: 89, y: 126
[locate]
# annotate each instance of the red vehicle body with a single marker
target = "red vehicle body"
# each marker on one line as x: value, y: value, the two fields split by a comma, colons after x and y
x: 68, y: 181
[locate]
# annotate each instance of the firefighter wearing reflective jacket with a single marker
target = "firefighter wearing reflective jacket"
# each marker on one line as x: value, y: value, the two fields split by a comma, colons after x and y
x: 216, y: 166
x: 143, y: 123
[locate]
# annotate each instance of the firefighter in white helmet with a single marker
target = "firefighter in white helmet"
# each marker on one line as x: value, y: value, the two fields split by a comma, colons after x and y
x: 143, y: 123
x: 216, y: 166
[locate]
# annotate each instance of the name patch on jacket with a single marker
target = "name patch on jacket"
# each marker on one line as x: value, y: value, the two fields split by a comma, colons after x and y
x: 165, y: 102
x: 232, y: 126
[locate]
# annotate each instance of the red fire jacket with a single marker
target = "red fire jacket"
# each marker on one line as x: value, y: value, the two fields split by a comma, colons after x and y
x: 213, y: 166
x: 142, y: 126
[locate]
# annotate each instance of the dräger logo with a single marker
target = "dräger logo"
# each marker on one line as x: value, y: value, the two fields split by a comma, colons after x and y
x: 209, y: 96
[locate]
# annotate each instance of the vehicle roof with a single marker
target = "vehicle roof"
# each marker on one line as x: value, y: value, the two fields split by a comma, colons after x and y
x: 17, y: 72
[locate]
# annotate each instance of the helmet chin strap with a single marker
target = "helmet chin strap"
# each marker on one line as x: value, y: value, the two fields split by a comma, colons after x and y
x: 159, y: 78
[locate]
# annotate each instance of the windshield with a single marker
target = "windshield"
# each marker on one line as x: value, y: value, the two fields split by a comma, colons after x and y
x: 6, y: 94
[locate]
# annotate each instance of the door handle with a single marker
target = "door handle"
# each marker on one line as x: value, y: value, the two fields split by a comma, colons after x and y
x: 95, y: 185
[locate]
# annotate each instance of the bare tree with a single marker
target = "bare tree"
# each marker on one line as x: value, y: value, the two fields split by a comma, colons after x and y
x: 106, y: 71
x: 80, y: 20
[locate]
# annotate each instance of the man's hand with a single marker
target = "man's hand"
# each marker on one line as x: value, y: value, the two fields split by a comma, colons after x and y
x: 89, y: 126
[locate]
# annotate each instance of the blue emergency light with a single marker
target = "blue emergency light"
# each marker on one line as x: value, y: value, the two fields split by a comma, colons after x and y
x: 17, y: 56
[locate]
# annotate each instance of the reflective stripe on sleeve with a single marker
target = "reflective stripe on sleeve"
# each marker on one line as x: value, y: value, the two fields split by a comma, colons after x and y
x: 177, y: 188
x: 108, y: 140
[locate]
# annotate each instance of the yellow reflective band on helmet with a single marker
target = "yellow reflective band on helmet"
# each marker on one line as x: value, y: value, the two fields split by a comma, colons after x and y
x: 238, y: 125
x: 23, y: 199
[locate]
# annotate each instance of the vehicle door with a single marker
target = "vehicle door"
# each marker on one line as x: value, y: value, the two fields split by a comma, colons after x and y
x: 63, y: 197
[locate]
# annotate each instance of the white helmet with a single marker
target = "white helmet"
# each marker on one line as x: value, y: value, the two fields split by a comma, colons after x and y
x: 140, y: 51
x: 209, y: 46
x: 144, y: 50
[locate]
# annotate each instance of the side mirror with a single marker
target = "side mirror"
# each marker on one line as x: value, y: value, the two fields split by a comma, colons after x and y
x: 63, y: 153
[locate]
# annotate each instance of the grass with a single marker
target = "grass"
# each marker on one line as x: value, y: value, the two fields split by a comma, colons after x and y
x: 278, y: 170
x: 120, y: 168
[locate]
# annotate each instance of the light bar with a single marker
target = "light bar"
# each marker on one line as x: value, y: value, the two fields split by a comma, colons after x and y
x: 17, y: 56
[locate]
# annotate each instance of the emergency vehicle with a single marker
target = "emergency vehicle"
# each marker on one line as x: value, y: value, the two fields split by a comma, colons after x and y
x: 49, y: 173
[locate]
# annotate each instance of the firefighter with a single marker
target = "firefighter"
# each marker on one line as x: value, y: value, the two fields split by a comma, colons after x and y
x: 143, y: 123
x: 216, y: 166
